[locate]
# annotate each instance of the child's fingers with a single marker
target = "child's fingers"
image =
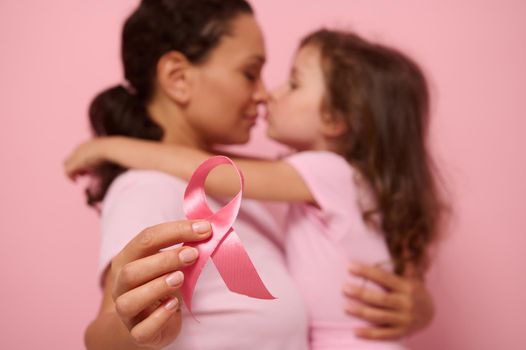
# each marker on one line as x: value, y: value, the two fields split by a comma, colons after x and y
x: 71, y: 167
x: 378, y: 275
x: 377, y: 316
x: 392, y: 301
x: 67, y: 165
x: 380, y: 333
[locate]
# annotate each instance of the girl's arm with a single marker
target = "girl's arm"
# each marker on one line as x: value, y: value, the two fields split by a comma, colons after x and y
x: 264, y: 180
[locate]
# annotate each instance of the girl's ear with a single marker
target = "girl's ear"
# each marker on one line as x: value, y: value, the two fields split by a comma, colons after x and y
x: 333, y: 126
x: 173, y: 76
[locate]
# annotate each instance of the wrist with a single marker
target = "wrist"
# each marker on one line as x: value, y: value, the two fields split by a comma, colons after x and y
x: 106, y: 147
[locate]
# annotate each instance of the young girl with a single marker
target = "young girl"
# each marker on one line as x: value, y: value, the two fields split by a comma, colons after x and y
x: 356, y: 112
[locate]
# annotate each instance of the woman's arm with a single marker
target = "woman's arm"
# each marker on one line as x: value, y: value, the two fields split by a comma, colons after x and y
x: 264, y: 180
x: 405, y: 306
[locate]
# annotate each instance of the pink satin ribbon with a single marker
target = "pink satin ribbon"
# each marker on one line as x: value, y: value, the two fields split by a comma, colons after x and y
x: 224, y: 247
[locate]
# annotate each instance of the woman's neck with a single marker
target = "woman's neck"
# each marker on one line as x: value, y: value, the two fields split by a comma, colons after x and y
x: 176, y: 129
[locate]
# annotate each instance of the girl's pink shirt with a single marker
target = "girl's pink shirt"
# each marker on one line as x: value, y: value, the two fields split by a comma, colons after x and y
x: 321, y: 242
x: 229, y: 321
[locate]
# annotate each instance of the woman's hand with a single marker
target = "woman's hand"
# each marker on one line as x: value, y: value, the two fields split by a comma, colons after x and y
x: 85, y: 157
x: 403, y: 308
x: 142, y: 288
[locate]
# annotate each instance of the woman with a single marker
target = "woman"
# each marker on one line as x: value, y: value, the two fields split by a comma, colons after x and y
x: 193, y: 69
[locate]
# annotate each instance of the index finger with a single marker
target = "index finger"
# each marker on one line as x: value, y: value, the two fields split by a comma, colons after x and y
x: 152, y: 239
x: 378, y: 275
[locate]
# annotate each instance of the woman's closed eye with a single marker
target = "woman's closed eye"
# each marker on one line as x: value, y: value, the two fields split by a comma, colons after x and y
x: 252, y: 73
x: 250, y: 76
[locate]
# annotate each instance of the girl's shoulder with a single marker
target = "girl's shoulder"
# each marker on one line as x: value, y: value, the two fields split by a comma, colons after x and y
x: 325, y: 158
x: 321, y: 165
x: 329, y: 177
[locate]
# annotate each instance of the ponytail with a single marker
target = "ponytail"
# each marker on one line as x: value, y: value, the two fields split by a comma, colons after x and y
x: 117, y: 111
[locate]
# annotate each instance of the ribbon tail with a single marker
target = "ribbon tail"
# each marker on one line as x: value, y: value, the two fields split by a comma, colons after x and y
x: 192, y: 273
x: 236, y: 268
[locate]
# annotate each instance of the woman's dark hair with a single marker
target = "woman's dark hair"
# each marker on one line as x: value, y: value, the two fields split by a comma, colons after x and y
x: 383, y: 97
x: 191, y: 27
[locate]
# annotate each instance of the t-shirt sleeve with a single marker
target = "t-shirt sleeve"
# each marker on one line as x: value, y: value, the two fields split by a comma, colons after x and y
x: 329, y: 178
x: 137, y: 200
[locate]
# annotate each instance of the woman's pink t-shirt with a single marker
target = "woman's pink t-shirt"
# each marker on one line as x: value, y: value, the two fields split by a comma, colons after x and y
x: 320, y: 244
x: 229, y: 321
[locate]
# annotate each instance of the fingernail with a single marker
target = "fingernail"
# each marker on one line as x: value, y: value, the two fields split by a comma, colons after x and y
x: 201, y: 227
x: 188, y: 255
x: 351, y: 308
x: 354, y: 267
x: 348, y: 289
x: 175, y: 279
x: 359, y: 331
x: 172, y: 304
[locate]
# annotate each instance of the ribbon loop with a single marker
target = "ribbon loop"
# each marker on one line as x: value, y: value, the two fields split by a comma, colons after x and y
x: 224, y: 246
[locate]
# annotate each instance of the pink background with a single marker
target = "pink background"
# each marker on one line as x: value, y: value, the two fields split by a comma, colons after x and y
x: 55, y: 55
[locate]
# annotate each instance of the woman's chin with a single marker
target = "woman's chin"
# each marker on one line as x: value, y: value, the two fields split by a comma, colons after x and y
x: 238, y: 139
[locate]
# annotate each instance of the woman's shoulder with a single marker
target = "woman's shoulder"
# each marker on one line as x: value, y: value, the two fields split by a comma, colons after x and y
x: 144, y: 187
x: 136, y: 200
x: 140, y: 178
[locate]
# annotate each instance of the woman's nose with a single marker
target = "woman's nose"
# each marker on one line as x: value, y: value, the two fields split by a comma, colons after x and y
x: 261, y: 94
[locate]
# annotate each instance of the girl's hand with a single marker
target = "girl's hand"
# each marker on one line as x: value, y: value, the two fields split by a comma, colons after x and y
x: 84, y: 157
x: 403, y: 308
x: 142, y: 284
